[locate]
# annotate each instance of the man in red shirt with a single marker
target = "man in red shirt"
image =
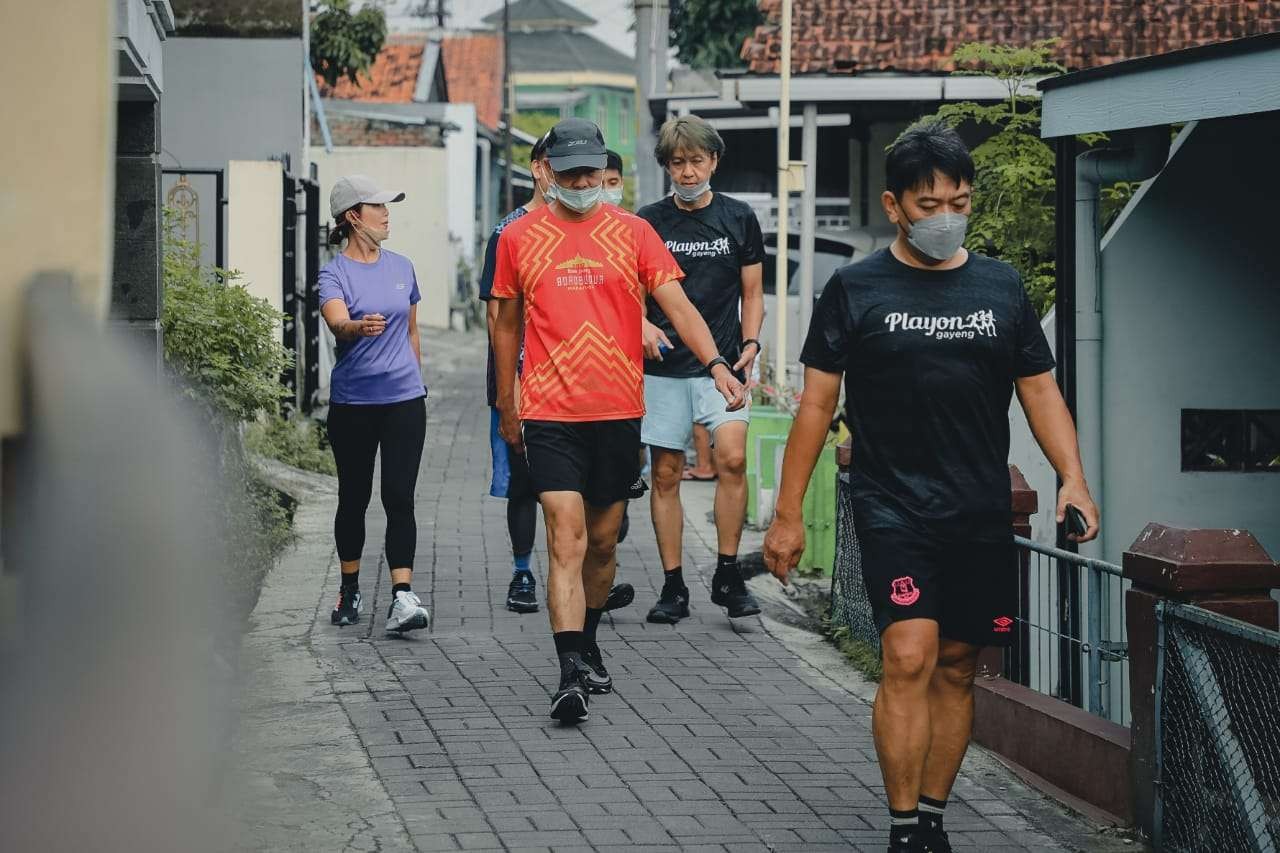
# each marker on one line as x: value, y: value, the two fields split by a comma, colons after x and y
x: 576, y: 274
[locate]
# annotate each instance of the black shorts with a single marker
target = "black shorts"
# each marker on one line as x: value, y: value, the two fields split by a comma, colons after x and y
x: 970, y: 588
x: 598, y: 459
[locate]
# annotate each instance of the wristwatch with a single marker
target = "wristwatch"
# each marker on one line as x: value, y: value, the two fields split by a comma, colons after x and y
x: 711, y: 365
x: 751, y: 341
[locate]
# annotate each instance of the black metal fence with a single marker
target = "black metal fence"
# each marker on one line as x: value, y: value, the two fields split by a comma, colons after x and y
x: 1217, y: 733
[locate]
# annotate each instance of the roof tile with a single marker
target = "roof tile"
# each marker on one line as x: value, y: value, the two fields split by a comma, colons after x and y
x: 844, y: 36
x: 473, y: 73
x: 391, y: 79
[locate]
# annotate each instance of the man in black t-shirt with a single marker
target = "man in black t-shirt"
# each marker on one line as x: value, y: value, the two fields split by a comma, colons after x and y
x: 932, y: 342
x: 717, y: 242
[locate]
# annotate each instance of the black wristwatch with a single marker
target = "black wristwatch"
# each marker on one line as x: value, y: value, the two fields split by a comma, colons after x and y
x: 751, y: 341
x: 711, y: 365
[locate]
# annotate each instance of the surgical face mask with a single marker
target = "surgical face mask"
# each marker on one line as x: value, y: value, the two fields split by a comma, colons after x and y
x: 579, y: 200
x: 939, y: 236
x: 613, y: 196
x: 373, y: 235
x: 691, y: 194
x: 549, y: 194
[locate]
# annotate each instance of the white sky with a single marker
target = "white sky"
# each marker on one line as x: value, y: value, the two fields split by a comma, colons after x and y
x: 614, y: 16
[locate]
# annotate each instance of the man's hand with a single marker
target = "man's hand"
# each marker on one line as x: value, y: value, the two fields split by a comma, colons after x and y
x: 509, y: 427
x: 783, y: 544
x: 733, y: 391
x: 1076, y: 493
x: 747, y: 362
x: 653, y: 336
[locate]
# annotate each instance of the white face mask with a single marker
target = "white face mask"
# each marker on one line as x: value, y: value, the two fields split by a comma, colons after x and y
x: 613, y: 196
x: 691, y: 194
x: 579, y: 200
x: 373, y: 235
x: 549, y: 194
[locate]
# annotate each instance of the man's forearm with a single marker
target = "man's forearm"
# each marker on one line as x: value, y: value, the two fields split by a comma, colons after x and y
x: 804, y: 445
x: 1051, y: 424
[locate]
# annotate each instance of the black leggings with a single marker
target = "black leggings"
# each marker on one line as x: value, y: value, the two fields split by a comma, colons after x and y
x: 522, y: 523
x: 356, y: 433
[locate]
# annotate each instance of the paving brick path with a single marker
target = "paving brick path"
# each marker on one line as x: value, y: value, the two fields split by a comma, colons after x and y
x: 717, y: 738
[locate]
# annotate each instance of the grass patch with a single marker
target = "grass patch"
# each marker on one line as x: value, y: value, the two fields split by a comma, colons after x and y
x: 862, y: 655
x: 300, y: 442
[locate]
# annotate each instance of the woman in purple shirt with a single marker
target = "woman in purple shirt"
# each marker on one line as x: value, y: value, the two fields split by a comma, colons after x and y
x: 369, y: 297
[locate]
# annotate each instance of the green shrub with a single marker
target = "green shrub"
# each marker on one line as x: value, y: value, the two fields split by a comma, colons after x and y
x: 220, y: 338
x: 298, y: 442
x: 862, y: 655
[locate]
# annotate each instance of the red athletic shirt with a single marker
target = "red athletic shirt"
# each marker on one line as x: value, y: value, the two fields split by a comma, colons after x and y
x: 584, y: 286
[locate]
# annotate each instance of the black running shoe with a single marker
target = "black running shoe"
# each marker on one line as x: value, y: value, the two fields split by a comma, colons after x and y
x: 347, y: 610
x: 916, y: 842
x: 672, y: 606
x: 935, y: 841
x: 595, y: 676
x: 728, y: 590
x: 522, y: 594
x: 569, y: 705
x: 620, y: 596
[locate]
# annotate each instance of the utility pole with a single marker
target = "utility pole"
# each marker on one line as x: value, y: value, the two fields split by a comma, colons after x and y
x: 652, y: 17
x: 510, y: 197
x: 440, y: 14
x: 784, y: 199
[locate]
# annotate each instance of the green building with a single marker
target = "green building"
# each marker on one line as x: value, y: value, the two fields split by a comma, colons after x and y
x: 559, y: 71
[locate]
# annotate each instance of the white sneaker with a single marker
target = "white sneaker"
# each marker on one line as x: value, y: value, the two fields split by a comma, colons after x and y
x: 407, y: 614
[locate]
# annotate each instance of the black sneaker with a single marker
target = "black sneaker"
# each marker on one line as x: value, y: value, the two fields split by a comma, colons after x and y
x: 638, y: 488
x: 620, y: 596
x: 569, y: 705
x: 672, y: 606
x: 595, y: 676
x: 935, y: 841
x: 921, y: 841
x: 522, y: 594
x: 347, y: 610
x: 728, y: 590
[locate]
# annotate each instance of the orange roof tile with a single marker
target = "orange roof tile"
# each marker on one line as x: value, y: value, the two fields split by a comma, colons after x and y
x: 851, y: 36
x: 473, y: 74
x: 391, y: 79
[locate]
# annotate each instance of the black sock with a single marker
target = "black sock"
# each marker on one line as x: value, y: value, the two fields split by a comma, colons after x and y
x: 931, y: 813
x: 902, y: 824
x: 399, y: 588
x: 589, y: 629
x: 351, y: 580
x: 673, y: 578
x: 568, y: 642
x: 726, y: 564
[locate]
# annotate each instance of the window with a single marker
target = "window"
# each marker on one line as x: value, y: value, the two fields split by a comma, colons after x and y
x: 1231, y: 440
x: 602, y: 117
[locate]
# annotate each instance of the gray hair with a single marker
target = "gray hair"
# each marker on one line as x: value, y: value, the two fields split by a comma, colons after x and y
x: 689, y: 132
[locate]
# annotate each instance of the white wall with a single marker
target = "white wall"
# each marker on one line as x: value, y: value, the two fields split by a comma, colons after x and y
x: 255, y: 222
x: 419, y: 224
x: 460, y: 149
x: 1191, y: 319
x: 1030, y: 459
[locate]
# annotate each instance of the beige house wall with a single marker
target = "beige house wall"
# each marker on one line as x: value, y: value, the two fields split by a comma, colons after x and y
x: 254, y: 228
x: 56, y: 176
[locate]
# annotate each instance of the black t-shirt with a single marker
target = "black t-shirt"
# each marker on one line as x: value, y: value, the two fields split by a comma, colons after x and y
x: 712, y: 245
x: 929, y: 359
x: 486, y: 293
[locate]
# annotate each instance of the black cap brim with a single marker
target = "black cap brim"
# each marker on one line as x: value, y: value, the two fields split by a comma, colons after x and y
x: 578, y: 161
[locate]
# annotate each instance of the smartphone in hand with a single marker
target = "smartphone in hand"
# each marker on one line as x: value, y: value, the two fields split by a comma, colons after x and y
x: 1075, y: 521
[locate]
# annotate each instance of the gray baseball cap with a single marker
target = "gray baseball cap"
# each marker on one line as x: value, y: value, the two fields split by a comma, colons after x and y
x: 358, y: 189
x: 576, y: 143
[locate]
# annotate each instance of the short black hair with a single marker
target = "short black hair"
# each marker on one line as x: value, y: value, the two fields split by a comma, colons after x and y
x: 539, y: 149
x: 922, y: 151
x: 613, y: 160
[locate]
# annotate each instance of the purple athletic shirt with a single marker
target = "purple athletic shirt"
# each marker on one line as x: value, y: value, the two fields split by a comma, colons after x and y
x: 381, y: 369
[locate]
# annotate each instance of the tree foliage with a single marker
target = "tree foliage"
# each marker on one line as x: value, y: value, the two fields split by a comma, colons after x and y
x: 709, y: 33
x: 343, y: 44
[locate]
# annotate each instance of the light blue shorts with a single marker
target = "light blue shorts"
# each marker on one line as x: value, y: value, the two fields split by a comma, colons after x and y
x: 674, y: 404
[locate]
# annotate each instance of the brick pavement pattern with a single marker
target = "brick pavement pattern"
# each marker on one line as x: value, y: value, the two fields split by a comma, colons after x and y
x: 715, y: 739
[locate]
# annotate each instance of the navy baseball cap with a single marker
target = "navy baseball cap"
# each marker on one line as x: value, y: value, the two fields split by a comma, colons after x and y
x: 576, y: 143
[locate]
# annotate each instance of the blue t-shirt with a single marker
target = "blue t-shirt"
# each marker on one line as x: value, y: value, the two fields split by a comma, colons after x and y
x: 486, y: 291
x: 382, y: 369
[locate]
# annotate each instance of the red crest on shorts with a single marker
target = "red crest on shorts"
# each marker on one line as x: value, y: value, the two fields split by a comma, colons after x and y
x: 904, y: 591
x: 1003, y: 624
